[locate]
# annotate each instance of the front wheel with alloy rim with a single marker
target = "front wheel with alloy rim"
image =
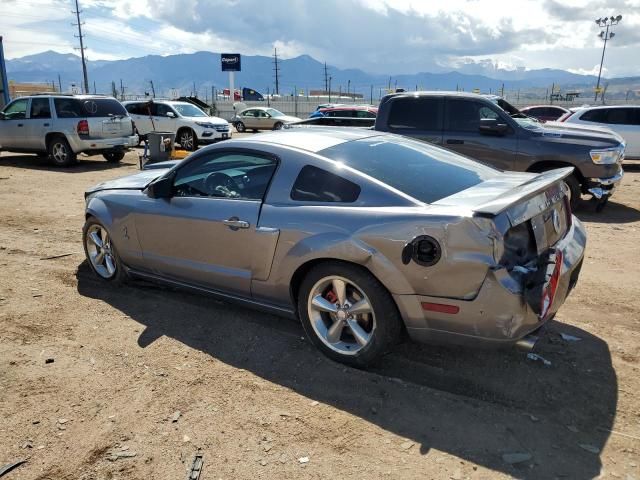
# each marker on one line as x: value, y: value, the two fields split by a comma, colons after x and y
x: 240, y: 127
x: 113, y: 157
x: 60, y: 152
x: 187, y: 140
x: 277, y: 126
x: 348, y: 314
x: 101, y: 253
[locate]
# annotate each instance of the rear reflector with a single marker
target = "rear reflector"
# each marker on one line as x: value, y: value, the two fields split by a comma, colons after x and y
x: 440, y: 307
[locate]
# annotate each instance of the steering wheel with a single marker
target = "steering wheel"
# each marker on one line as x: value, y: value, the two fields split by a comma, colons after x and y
x: 220, y: 184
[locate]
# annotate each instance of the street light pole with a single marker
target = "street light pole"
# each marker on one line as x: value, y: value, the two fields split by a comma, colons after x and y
x: 605, y: 35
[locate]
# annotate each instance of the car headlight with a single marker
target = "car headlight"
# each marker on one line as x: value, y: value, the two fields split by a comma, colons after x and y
x: 606, y: 156
x: 205, y: 125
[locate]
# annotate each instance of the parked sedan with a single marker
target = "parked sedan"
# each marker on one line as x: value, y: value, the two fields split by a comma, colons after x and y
x: 359, y: 234
x: 261, y: 118
x: 545, y: 113
x: 345, y: 111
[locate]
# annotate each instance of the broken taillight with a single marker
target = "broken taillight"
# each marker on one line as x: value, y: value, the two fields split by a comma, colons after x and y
x: 83, y: 127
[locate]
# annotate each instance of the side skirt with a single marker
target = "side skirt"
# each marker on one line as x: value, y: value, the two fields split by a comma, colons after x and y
x: 247, y: 302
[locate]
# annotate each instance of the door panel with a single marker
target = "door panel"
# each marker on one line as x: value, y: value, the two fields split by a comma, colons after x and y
x: 186, y: 239
x: 39, y: 123
x: 13, y: 131
x: 462, y: 133
x: 207, y: 233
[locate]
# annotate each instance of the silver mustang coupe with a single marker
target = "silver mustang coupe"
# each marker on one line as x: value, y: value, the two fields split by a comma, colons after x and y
x: 359, y: 234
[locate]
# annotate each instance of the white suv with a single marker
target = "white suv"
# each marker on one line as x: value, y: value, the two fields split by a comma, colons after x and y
x: 191, y: 125
x: 623, y: 119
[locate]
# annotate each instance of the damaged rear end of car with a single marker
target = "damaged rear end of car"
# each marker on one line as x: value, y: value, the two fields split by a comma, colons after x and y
x: 537, y: 251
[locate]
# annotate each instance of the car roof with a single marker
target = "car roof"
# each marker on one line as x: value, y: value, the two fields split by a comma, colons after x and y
x: 543, y: 106
x: 600, y: 107
x: 312, y: 140
x: 443, y: 93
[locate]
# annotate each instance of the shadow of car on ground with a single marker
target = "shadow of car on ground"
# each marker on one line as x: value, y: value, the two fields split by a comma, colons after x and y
x: 34, y: 162
x: 474, y: 404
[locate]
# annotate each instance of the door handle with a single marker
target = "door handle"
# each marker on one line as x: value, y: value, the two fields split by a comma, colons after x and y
x: 46, y: 124
x: 234, y: 223
x: 454, y: 141
x: 21, y: 125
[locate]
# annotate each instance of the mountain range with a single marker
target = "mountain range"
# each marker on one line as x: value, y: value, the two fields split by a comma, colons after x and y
x: 202, y: 70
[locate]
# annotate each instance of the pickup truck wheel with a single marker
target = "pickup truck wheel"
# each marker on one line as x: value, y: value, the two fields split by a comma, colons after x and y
x: 60, y: 152
x: 113, y: 157
x: 575, y: 191
x: 348, y: 314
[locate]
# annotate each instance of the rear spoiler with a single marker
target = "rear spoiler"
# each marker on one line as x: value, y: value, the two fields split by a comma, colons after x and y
x: 523, y: 192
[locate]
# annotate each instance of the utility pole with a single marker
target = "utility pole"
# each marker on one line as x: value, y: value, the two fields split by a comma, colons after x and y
x: 326, y: 78
x: 348, y: 87
x: 195, y: 92
x: 371, y: 96
x: 121, y: 90
x: 94, y: 87
x: 389, y: 86
x: 80, y: 36
x: 605, y: 35
x: 276, y: 70
x: 153, y: 90
x: 329, y: 89
x: 59, y: 84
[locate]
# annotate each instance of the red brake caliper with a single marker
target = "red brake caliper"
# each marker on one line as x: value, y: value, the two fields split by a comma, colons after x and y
x: 331, y: 296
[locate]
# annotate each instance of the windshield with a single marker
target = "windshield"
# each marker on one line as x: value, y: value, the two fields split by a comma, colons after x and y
x: 187, y: 110
x: 425, y: 172
x: 274, y: 113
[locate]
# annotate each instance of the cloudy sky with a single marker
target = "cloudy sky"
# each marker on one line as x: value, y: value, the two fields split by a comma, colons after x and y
x: 378, y: 36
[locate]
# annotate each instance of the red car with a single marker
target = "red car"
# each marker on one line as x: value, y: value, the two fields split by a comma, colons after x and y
x: 347, y: 112
x: 545, y: 113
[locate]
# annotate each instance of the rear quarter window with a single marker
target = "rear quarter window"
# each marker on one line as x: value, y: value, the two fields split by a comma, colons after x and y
x: 317, y: 185
x: 416, y: 113
x: 88, y: 108
x: 598, y: 115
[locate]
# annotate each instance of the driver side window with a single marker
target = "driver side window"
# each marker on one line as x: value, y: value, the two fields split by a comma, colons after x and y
x: 241, y: 176
x: 16, y: 110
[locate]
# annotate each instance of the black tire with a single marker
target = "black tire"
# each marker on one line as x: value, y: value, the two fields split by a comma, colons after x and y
x: 574, y: 190
x: 278, y: 126
x: 113, y: 157
x: 120, y: 276
x: 240, y: 127
x: 188, y: 140
x: 255, y: 130
x: 60, y: 153
x: 388, y: 324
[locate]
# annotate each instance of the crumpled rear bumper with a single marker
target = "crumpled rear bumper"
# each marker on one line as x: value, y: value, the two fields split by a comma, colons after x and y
x: 499, y: 313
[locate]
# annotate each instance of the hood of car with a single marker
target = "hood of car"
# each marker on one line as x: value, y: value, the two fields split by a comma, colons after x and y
x: 137, y: 181
x: 579, y: 129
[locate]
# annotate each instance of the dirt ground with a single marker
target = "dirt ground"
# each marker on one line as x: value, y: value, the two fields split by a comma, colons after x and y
x: 98, y: 382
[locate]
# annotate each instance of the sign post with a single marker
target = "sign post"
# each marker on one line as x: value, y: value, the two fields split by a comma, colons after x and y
x: 4, y: 86
x: 230, y: 62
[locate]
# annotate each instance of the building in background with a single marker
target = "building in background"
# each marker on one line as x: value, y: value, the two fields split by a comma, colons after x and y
x: 24, y: 89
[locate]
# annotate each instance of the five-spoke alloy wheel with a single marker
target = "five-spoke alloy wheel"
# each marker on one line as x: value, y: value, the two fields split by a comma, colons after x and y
x: 348, y: 314
x: 101, y: 253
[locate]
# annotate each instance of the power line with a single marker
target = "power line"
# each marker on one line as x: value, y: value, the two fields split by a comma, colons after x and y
x: 276, y: 70
x: 80, y: 37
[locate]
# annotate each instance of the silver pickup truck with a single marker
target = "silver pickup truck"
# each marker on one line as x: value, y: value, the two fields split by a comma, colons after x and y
x: 61, y: 126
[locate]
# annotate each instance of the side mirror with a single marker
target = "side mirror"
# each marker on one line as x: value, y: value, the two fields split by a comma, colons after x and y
x: 491, y: 126
x: 161, y: 188
x: 171, y: 115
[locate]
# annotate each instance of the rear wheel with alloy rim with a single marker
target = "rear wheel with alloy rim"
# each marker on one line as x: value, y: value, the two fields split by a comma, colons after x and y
x: 60, y: 152
x: 187, y: 139
x: 101, y: 253
x: 348, y: 314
